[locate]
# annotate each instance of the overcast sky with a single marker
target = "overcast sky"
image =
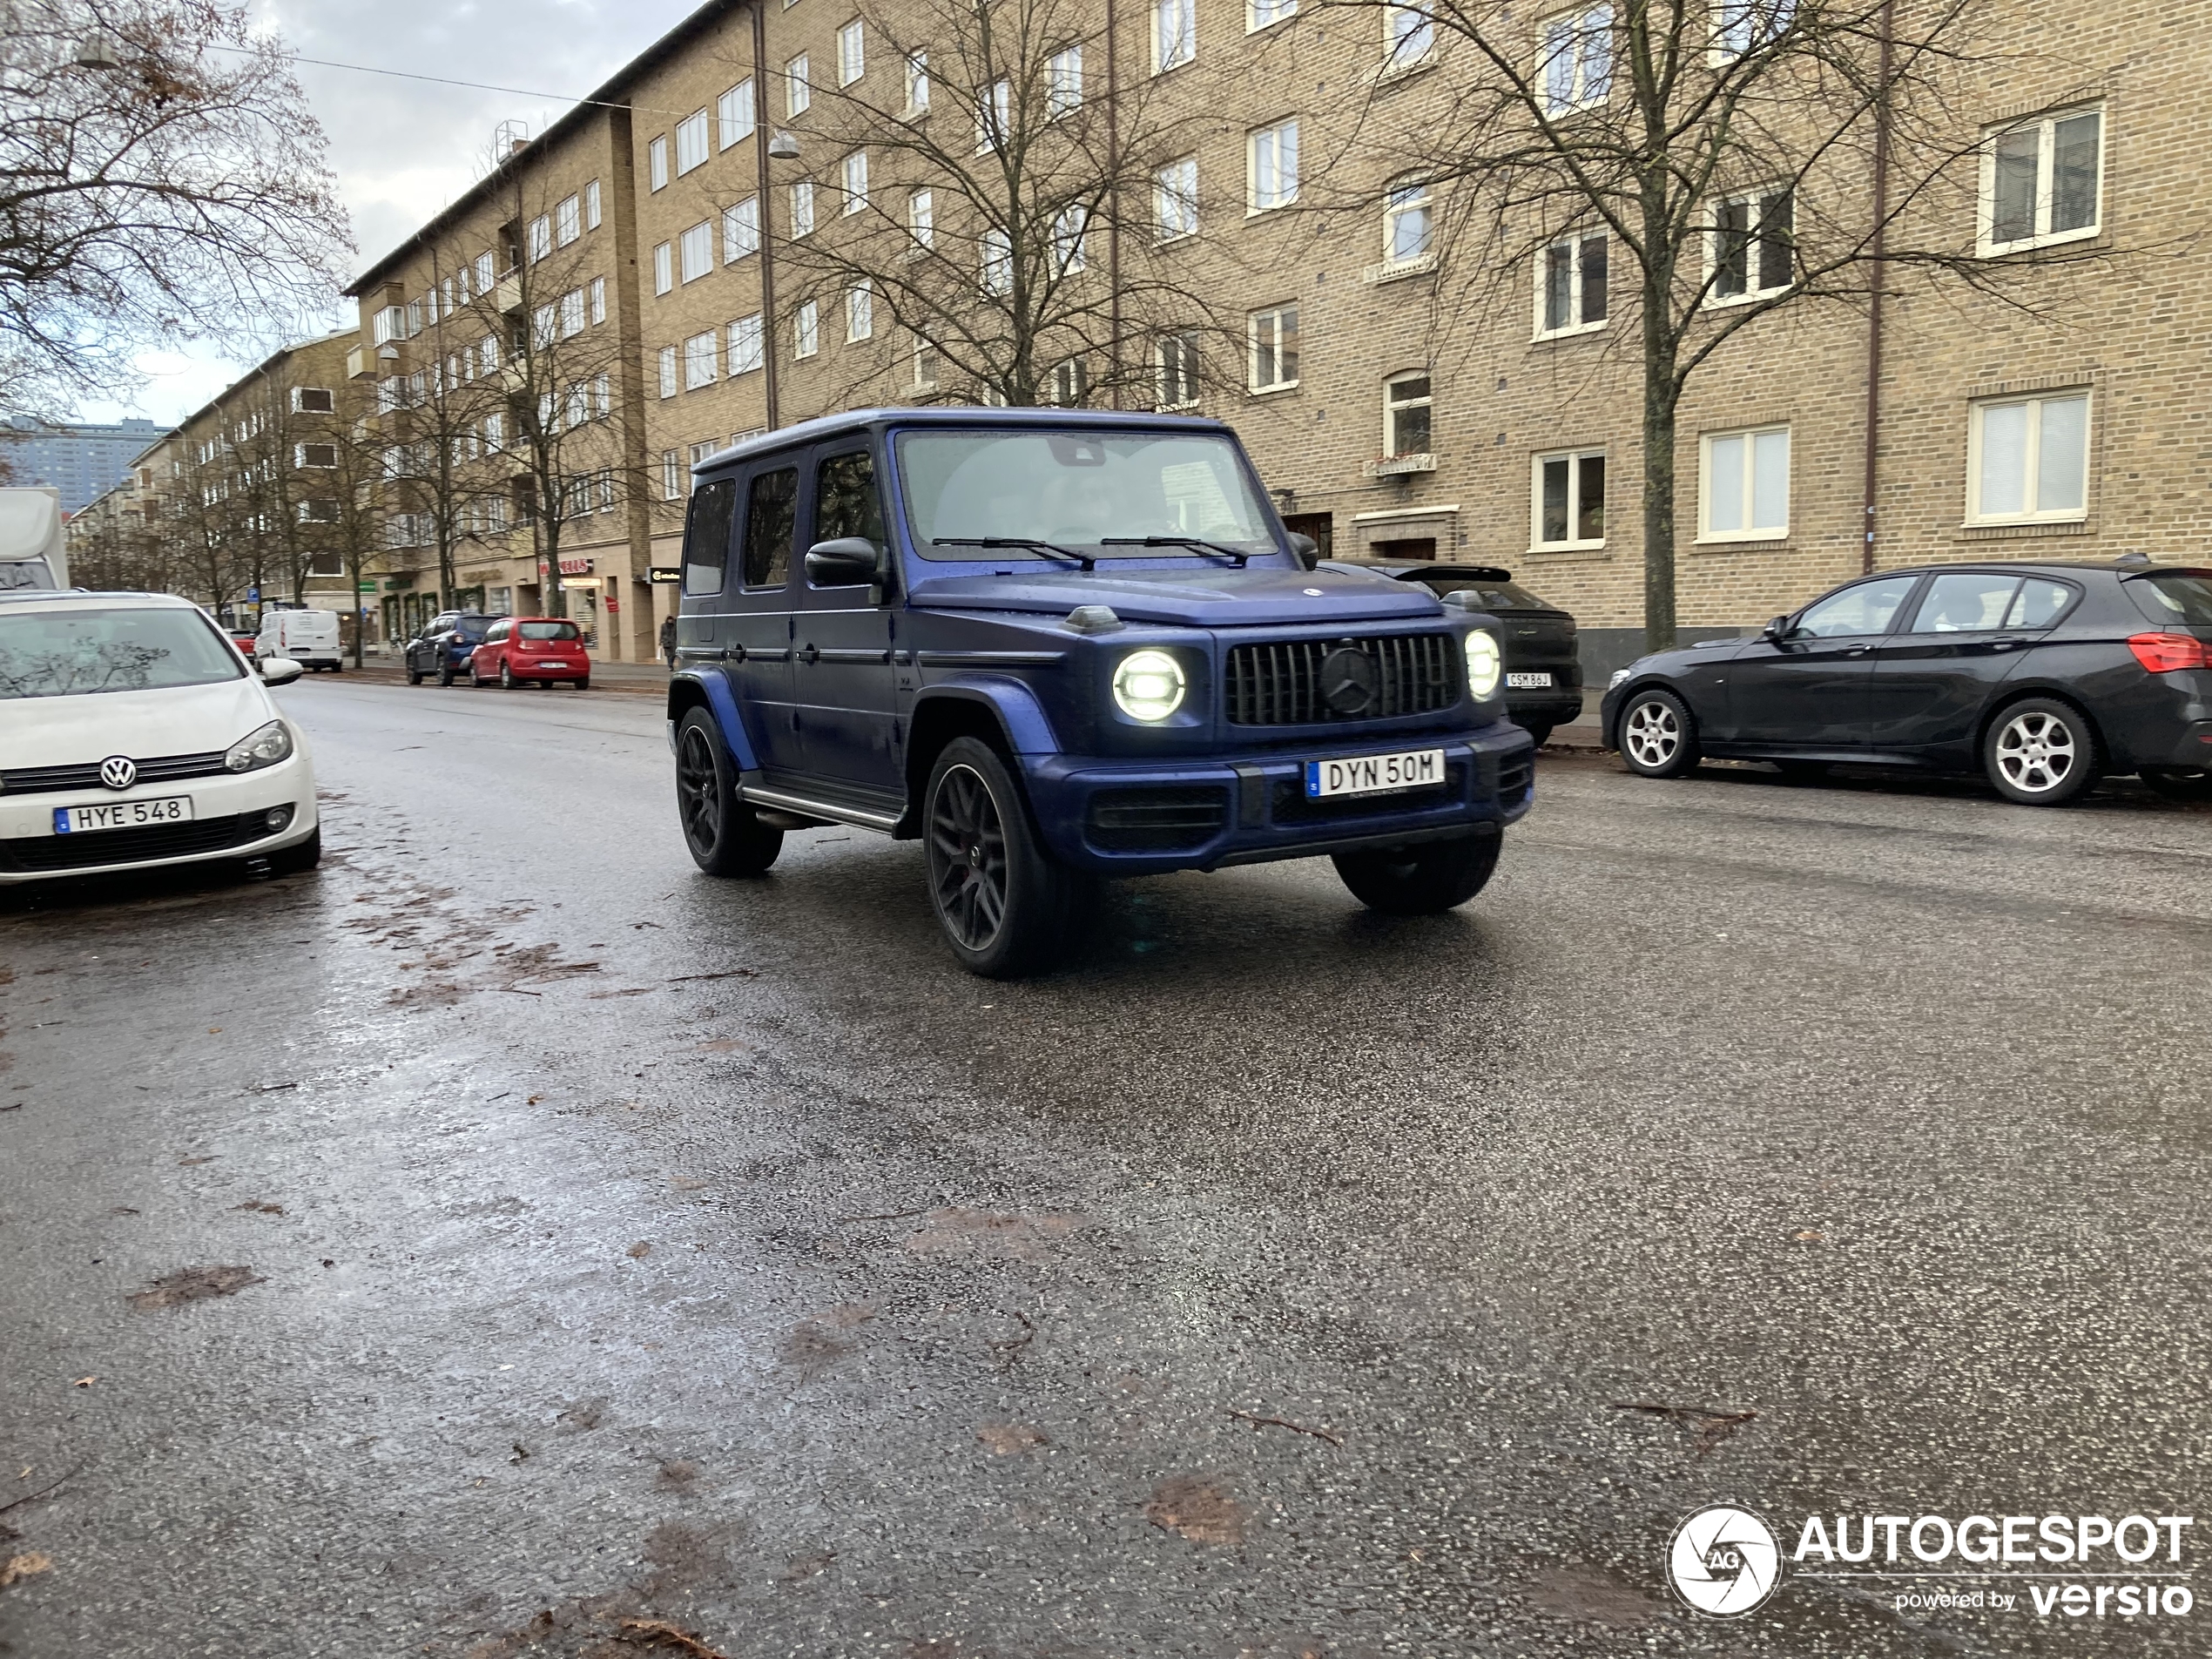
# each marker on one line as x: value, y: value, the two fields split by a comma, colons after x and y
x: 402, y: 149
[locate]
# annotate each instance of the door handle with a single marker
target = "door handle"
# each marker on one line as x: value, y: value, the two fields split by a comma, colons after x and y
x: 2007, y: 644
x: 807, y: 653
x: 1857, y: 651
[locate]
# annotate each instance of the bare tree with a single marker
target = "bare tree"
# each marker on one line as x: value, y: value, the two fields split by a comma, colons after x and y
x: 1728, y: 160
x: 201, y: 523
x: 999, y: 197
x: 159, y: 175
x: 353, y: 536
x: 112, y: 548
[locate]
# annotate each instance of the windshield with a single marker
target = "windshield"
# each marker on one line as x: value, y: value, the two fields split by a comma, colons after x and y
x: 1075, y: 489
x: 2176, y: 601
x: 75, y: 653
x: 548, y: 630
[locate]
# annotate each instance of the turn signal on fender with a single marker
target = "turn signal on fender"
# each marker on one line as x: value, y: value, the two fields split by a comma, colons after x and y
x: 2165, y: 653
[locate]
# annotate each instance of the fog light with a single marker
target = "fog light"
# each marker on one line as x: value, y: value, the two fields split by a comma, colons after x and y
x: 277, y: 817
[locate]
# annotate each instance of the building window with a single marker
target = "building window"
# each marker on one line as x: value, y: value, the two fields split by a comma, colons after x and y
x: 921, y: 218
x: 994, y: 117
x: 1576, y: 70
x: 1568, y: 510
x: 598, y: 299
x: 998, y: 262
x: 307, y: 399
x: 572, y: 313
x: 851, y: 54
x: 733, y: 117
x: 690, y: 142
x: 314, y: 454
x: 802, y: 208
x: 860, y: 314
x: 484, y: 273
x: 917, y: 83
x: 657, y: 164
x: 1175, y: 34
x: 806, y: 333
x: 568, y: 222
x: 1274, y: 348
x: 1262, y: 14
x: 745, y: 352
x: 1175, y: 199
x: 1750, y: 245
x: 698, y: 249
x: 672, y: 476
x: 603, y: 396
x: 797, y: 92
x: 1176, y: 366
x: 1409, y: 35
x: 664, y: 266
x: 698, y: 361
x: 855, y: 168
x: 545, y: 323
x: 1740, y: 26
x: 1071, y: 384
x: 1063, y: 82
x: 1070, y: 230
x: 591, y: 206
x: 1570, y: 286
x: 2040, y: 182
x: 1409, y: 225
x: 2029, y: 460
x: 1405, y: 416
x: 540, y: 246
x: 741, y: 230
x: 925, y: 367
x: 1270, y: 157
x: 668, y: 371
x: 1744, y: 485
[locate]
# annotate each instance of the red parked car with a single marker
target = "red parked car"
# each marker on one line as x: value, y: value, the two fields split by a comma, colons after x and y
x: 524, y: 651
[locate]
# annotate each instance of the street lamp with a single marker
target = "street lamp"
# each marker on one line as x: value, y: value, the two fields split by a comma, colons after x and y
x: 97, y: 51
x: 784, y: 147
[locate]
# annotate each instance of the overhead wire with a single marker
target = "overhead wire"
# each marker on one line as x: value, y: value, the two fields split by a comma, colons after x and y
x: 444, y: 80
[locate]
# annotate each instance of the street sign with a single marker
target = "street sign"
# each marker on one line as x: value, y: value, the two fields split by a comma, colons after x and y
x: 253, y: 595
x: 369, y: 587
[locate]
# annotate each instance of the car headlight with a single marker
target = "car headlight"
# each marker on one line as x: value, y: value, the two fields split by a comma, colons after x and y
x: 1148, y: 685
x: 1484, y: 663
x: 271, y: 744
x: 1619, y: 676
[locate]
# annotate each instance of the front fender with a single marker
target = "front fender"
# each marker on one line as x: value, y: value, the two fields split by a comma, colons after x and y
x: 1019, y: 711
x: 693, y: 687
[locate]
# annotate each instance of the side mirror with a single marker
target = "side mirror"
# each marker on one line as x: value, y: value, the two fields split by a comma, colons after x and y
x: 281, y: 671
x: 848, y: 562
x: 1777, y: 630
x: 1305, y: 550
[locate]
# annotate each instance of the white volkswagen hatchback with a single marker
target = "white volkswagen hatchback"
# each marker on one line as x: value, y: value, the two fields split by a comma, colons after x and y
x: 133, y: 735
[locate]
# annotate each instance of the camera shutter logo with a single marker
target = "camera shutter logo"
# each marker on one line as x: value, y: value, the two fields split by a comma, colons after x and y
x: 118, y: 772
x: 1723, y: 1561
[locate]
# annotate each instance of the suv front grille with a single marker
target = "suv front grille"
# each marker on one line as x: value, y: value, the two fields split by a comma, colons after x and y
x: 31, y: 781
x: 26, y: 852
x: 1280, y: 685
x: 1155, y: 821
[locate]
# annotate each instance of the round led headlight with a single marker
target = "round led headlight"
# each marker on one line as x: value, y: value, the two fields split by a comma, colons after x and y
x: 1148, y: 685
x: 1484, y: 663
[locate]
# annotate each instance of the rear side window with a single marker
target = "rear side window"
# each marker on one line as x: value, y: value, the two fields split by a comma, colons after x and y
x: 844, y: 499
x: 2173, y: 601
x: 770, y: 517
x: 1489, y: 595
x: 549, y: 631
x: 706, y: 537
x: 498, y: 631
x: 2039, y: 603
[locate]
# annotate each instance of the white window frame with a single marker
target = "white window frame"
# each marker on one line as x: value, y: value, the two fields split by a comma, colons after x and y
x: 598, y: 290
x: 692, y: 148
x: 1265, y: 14
x: 853, y: 172
x: 921, y: 218
x: 672, y: 476
x: 568, y: 224
x: 1063, y: 90
x: 734, y: 119
x: 541, y: 246
x: 1759, y: 21
x: 852, y: 52
x: 996, y: 249
x: 700, y: 365
x: 860, y: 313
x: 1271, y: 167
x: 657, y: 164
x: 1577, y: 251
x: 806, y: 331
x: 572, y: 313
x: 748, y: 350
x: 663, y: 267
x: 917, y: 73
x: 2044, y: 126
x: 802, y: 209
x: 741, y: 229
x: 993, y: 115
x: 1269, y: 322
x: 1069, y: 384
x: 1563, y: 41
x: 1754, y: 250
x: 1392, y: 407
x: 799, y: 92
x: 697, y: 245
x: 1400, y: 197
x: 1184, y: 350
x: 668, y: 379
x: 2031, y: 479
x: 1175, y: 34
x: 1409, y: 36
x: 1574, y: 458
x: 926, y: 364
x: 1706, y: 534
x: 1175, y: 199
x: 1070, y: 237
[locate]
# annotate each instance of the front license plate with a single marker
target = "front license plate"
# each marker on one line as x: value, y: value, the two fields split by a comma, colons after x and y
x: 1527, y: 682
x: 122, y: 814
x: 1375, y: 774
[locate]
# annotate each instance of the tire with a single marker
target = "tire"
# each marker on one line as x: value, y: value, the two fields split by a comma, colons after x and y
x: 507, y: 680
x: 724, y: 835
x: 297, y: 861
x: 414, y: 677
x: 475, y: 678
x: 583, y: 682
x: 1658, y: 736
x: 1004, y: 904
x: 2041, y: 753
x: 2179, y: 783
x: 1540, y: 733
x: 1801, y: 772
x: 1424, y: 880
x: 445, y: 674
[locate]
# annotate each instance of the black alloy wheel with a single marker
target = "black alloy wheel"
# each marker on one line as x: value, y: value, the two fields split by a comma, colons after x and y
x: 725, y: 835
x: 1423, y: 879
x: 1006, y: 905
x: 1658, y: 736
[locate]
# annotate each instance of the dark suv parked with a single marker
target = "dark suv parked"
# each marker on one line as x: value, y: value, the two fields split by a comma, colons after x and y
x: 1056, y: 646
x: 444, y: 646
x: 1543, y: 674
x: 2041, y: 676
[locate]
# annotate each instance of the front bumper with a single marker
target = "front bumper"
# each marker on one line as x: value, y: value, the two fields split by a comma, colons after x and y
x: 228, y: 821
x: 1120, y: 819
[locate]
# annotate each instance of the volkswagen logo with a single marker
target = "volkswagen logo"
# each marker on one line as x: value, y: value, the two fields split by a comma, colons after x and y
x: 1724, y: 1561
x: 118, y: 772
x: 1349, y: 681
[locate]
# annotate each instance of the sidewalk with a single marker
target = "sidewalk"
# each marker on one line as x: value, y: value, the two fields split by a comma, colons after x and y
x: 647, y: 679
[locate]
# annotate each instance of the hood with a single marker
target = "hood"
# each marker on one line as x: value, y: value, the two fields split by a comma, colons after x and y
x: 1215, y: 596
x: 179, y: 720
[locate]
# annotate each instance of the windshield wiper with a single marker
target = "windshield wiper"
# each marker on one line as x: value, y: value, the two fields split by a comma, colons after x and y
x: 1176, y: 541
x: 1084, y: 559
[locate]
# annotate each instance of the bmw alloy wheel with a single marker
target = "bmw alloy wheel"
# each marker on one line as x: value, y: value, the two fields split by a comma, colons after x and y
x: 968, y: 858
x: 2036, y: 751
x: 1652, y: 734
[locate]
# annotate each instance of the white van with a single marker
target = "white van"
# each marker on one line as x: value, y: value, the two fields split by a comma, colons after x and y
x: 33, y: 551
x: 308, y: 636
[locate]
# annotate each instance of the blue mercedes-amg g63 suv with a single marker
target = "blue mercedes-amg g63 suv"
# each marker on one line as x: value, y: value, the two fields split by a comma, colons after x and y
x: 1056, y: 646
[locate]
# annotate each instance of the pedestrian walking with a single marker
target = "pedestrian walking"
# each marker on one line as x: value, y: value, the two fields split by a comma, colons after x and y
x: 668, y: 641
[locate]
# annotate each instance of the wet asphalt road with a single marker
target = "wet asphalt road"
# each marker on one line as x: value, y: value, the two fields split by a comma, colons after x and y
x: 629, y: 1246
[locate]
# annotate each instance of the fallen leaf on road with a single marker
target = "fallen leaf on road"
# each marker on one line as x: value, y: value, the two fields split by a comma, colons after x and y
x: 1712, y: 1426
x: 1808, y: 1236
x: 85, y: 1382
x: 955, y: 1232
x: 724, y: 1045
x: 686, y: 1183
x: 194, y: 1284
x: 533, y: 1100
x: 638, y: 1251
x: 186, y: 1163
x: 733, y: 973
x: 123, y: 1210
x: 1009, y: 1439
x: 816, y: 1343
x: 1198, y: 1509
x: 260, y: 1208
x: 214, y: 1030
x: 521, y: 1451
x: 679, y: 1475
x: 17, y: 1568
x: 658, y: 1633
x: 580, y: 1417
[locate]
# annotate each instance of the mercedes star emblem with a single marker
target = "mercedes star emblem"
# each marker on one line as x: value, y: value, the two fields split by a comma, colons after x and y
x: 1349, y: 681
x: 118, y: 772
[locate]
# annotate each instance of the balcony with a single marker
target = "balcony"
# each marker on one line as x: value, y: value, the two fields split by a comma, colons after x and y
x: 360, y: 363
x: 1399, y: 466
x: 507, y: 294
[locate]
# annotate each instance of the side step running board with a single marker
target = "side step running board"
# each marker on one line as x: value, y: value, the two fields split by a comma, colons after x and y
x: 859, y: 817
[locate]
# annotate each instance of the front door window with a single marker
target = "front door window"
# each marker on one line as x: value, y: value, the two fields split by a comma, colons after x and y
x: 1863, y: 607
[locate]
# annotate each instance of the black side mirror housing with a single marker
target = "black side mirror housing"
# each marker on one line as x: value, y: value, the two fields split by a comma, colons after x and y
x: 1776, y: 630
x: 847, y: 562
x: 1305, y: 550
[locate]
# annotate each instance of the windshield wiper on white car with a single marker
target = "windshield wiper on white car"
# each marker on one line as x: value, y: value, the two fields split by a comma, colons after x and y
x: 1084, y: 559
x: 1176, y: 541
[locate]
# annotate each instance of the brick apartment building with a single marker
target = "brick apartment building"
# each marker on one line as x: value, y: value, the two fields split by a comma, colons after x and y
x: 1395, y: 404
